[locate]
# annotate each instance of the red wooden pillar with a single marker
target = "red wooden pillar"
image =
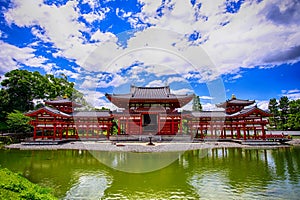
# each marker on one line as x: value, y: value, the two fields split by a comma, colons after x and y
x: 141, y: 124
x: 248, y: 133
x: 42, y: 133
x: 181, y: 125
x: 108, y: 129
x: 211, y: 130
x: 67, y: 131
x: 222, y: 134
x: 191, y: 129
x: 54, y: 129
x: 172, y: 125
x: 34, y: 131
x: 76, y: 133
x: 245, y: 133
x: 158, y: 122
x: 60, y: 132
x: 263, y: 131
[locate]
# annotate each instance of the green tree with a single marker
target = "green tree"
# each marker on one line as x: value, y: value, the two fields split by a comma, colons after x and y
x: 284, y: 111
x: 196, y: 104
x: 4, y: 104
x: 18, y: 85
x: 273, y: 108
x: 21, y: 87
x: 293, y: 121
x: 18, y: 122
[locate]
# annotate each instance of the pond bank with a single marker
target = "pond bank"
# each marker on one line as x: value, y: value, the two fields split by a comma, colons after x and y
x: 143, y: 146
x: 15, y: 186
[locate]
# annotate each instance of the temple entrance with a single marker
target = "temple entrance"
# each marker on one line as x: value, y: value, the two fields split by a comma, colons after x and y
x: 149, y: 123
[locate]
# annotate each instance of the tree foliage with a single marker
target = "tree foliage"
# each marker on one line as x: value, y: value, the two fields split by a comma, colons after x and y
x: 285, y: 114
x: 196, y: 104
x: 284, y: 111
x: 20, y: 88
x: 293, y: 121
x: 273, y: 108
x: 18, y: 122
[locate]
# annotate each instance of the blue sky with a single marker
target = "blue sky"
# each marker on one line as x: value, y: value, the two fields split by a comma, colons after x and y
x: 211, y: 48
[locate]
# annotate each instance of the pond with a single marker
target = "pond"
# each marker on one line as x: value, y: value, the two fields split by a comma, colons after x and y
x: 227, y: 173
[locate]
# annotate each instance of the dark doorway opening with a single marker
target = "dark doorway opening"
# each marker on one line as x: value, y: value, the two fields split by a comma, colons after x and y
x: 150, y: 123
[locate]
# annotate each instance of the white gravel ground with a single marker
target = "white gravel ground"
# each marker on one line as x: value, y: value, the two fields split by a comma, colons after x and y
x: 140, y: 147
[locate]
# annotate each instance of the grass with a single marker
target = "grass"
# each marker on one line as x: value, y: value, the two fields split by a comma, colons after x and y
x: 15, y: 186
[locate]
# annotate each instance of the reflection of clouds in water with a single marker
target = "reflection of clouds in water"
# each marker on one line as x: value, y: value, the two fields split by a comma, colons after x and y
x: 118, y: 160
x: 183, y: 162
x: 212, y: 185
x: 136, y: 162
x: 89, y: 187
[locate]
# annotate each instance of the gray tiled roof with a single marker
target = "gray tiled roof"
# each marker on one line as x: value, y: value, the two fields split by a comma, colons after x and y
x: 62, y: 101
x: 49, y: 109
x: 235, y: 101
x: 149, y: 93
x: 91, y: 114
x: 220, y: 114
x: 249, y: 110
x: 203, y: 114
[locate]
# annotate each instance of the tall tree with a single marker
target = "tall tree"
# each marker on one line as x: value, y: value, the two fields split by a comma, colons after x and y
x: 18, y: 122
x: 284, y: 110
x: 196, y: 104
x: 293, y: 122
x: 273, y: 108
x: 21, y: 87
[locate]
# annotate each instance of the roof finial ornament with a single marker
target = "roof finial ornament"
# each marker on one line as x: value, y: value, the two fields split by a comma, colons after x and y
x: 233, y: 96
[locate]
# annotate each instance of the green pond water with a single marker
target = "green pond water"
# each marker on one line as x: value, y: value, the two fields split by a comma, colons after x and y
x: 231, y: 173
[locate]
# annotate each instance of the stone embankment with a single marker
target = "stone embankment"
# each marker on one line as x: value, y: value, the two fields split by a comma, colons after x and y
x: 142, y: 147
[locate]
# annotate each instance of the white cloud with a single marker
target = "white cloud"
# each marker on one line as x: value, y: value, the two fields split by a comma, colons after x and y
x: 68, y: 73
x: 93, y: 97
x: 182, y: 91
x: 103, y: 81
x: 156, y: 83
x: 205, y: 107
x: 12, y: 57
x: 58, y: 25
x: 116, y: 81
x: 176, y: 79
x: 208, y: 107
x: 251, y: 37
x: 103, y: 37
x: 89, y: 82
x: 293, y: 94
x: 95, y: 15
x: 263, y: 105
x: 206, y: 97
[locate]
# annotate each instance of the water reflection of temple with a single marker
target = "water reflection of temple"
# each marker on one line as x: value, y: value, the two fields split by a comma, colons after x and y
x: 209, y: 174
x: 150, y: 110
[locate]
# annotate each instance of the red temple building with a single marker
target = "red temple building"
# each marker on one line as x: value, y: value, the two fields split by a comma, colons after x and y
x: 149, y: 110
x: 56, y: 120
x: 240, y: 119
